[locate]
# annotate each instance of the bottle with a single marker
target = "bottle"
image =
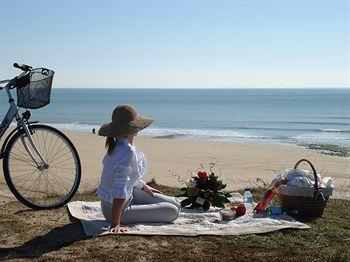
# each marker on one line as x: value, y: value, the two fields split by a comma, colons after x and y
x: 263, y: 203
x: 247, y: 195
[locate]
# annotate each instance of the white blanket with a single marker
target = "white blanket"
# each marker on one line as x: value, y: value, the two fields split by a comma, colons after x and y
x: 190, y: 222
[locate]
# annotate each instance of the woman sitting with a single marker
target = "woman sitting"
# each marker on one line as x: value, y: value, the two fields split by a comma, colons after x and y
x: 125, y: 198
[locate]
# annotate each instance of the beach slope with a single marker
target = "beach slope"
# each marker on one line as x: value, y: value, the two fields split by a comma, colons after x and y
x: 240, y: 164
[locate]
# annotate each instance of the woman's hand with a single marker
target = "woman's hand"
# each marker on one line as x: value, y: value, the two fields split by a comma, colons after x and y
x: 116, y: 229
x: 117, y: 209
x: 151, y: 190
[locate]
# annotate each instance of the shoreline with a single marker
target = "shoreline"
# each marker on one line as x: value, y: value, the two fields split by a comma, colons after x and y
x: 239, y: 164
x: 325, y: 149
x: 332, y: 149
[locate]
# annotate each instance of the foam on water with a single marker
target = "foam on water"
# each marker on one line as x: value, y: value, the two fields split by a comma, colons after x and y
x: 323, y: 138
x: 224, y: 135
x: 196, y: 134
x: 87, y: 128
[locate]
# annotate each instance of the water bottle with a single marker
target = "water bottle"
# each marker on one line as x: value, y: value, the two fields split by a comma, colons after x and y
x: 248, y: 197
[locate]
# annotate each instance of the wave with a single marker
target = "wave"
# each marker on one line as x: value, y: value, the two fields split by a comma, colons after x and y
x: 334, y: 131
x: 331, y: 137
x: 298, y: 136
x: 171, y: 133
x: 316, y: 123
x: 200, y: 134
x: 170, y: 136
x: 75, y: 126
x: 176, y: 133
x: 292, y: 129
x: 340, y: 117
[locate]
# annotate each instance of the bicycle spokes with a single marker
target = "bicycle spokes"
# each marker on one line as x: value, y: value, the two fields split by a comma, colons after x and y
x: 48, y: 182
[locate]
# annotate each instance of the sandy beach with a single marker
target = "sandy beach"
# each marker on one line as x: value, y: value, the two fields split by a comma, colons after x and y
x: 240, y: 164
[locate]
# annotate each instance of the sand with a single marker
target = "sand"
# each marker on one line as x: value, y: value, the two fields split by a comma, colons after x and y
x: 240, y: 164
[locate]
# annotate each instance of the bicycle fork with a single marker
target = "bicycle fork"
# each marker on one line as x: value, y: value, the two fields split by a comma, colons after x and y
x: 41, y: 166
x: 10, y: 115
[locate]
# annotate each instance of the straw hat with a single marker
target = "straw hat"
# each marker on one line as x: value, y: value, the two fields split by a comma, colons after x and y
x: 125, y: 120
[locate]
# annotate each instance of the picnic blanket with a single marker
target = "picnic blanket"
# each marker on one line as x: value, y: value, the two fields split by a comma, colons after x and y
x: 190, y: 222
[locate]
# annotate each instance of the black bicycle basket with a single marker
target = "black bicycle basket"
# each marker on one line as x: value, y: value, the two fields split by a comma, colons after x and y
x: 37, y: 92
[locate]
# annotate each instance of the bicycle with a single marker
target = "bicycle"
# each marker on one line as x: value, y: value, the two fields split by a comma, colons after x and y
x: 41, y: 165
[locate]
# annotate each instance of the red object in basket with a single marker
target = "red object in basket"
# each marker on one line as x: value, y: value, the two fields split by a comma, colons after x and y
x: 263, y: 203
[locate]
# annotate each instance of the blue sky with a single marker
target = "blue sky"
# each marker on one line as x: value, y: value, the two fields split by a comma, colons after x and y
x: 168, y: 44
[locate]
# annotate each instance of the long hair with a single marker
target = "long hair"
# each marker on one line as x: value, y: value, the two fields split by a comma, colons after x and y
x: 111, y: 143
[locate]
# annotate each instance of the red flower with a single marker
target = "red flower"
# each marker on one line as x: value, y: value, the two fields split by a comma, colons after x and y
x: 202, y: 175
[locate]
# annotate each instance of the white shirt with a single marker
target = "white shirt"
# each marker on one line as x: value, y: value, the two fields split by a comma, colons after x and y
x: 122, y: 170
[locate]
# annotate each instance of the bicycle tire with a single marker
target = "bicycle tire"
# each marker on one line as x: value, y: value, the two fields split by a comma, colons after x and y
x: 12, y: 186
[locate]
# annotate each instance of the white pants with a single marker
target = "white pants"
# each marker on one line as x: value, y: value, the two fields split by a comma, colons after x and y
x: 145, y: 208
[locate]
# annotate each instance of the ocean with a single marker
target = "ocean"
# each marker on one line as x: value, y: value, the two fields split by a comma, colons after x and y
x: 292, y: 116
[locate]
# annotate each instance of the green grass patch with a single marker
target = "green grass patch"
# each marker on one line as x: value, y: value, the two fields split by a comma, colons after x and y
x: 53, y: 235
x: 330, y: 149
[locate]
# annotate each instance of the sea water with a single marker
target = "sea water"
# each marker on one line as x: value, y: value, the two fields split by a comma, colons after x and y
x: 296, y: 116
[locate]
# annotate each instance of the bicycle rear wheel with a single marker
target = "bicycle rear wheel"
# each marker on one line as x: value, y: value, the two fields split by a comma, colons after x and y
x: 33, y: 185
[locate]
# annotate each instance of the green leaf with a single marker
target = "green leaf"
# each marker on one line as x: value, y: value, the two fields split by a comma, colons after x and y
x: 186, y: 202
x: 223, y: 186
x: 224, y: 199
x: 213, y: 177
x: 220, y: 205
x: 227, y: 194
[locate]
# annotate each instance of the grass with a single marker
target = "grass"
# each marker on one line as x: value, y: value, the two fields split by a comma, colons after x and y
x: 330, y: 149
x: 52, y: 235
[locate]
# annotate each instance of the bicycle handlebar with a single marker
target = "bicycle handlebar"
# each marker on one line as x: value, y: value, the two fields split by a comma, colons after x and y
x: 20, y: 79
x: 23, y: 67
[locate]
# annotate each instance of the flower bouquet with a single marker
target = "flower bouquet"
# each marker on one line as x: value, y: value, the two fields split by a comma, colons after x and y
x: 204, y: 190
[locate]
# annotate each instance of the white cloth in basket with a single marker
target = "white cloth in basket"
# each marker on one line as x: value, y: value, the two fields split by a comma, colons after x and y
x: 301, y: 183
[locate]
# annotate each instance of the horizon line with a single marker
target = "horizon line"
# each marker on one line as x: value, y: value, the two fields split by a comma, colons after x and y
x: 89, y: 87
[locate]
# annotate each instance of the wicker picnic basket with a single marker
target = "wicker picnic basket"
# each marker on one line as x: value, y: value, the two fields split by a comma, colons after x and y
x: 305, y: 202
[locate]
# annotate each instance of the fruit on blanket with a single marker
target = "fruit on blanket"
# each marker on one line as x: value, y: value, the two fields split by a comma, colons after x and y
x: 240, y: 210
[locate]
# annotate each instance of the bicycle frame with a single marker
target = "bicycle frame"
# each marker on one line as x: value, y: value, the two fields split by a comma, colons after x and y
x: 10, y: 115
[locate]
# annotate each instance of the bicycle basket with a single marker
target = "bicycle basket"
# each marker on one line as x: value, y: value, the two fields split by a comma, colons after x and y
x: 37, y: 92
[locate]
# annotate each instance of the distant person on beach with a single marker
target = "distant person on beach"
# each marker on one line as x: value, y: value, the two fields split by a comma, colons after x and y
x: 125, y: 198
x: 94, y: 131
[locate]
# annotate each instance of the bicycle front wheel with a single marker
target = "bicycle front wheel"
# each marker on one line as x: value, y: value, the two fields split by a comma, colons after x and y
x: 42, y: 188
